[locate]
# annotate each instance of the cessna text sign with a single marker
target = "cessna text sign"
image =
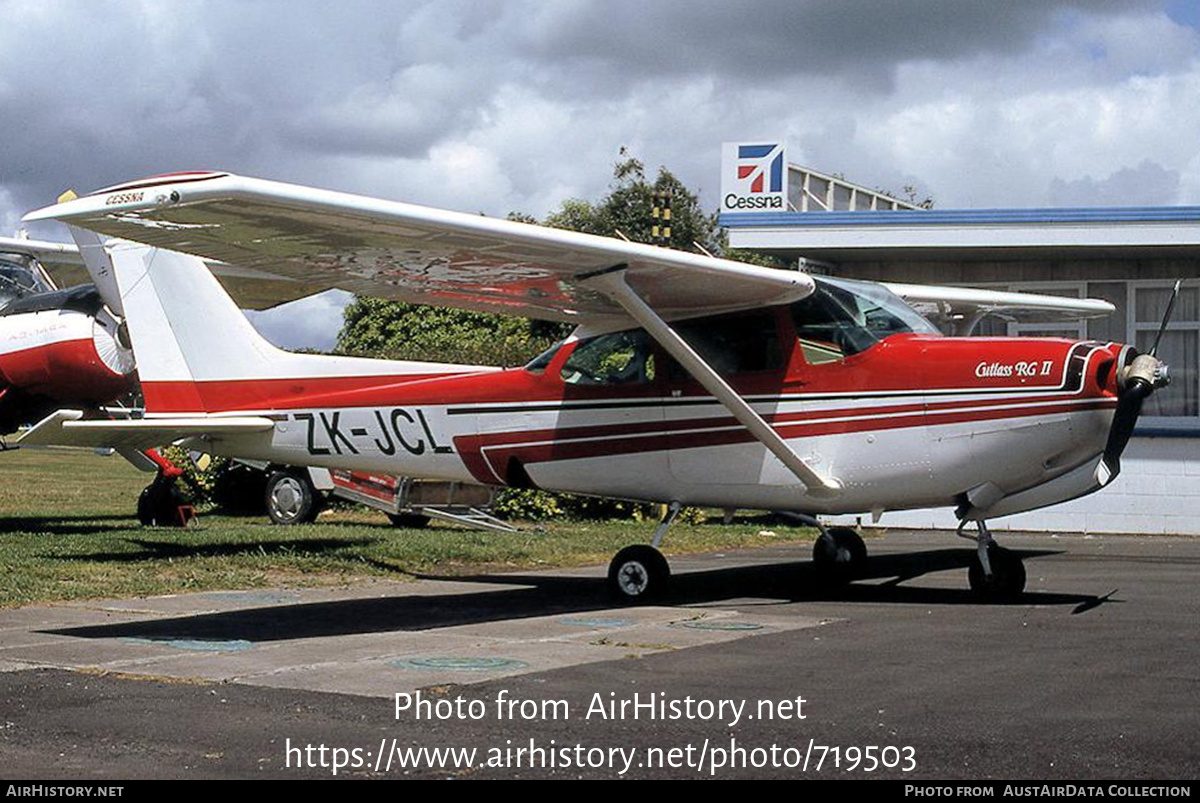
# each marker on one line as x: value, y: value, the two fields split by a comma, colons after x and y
x: 753, y: 177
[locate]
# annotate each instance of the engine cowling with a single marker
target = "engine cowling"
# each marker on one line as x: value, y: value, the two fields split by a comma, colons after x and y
x: 65, y: 355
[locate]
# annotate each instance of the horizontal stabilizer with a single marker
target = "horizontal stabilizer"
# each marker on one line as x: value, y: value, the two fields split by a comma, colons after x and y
x: 66, y: 428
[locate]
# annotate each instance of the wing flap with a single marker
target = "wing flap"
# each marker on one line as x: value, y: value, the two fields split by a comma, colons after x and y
x: 384, y: 248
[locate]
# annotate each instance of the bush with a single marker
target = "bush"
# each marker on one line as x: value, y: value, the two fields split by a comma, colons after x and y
x: 533, y: 505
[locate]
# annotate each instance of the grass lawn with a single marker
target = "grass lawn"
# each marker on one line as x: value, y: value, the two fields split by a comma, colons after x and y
x: 67, y: 531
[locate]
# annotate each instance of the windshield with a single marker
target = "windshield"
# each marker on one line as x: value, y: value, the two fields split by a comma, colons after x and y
x: 843, y: 317
x: 538, y: 364
x: 18, y: 281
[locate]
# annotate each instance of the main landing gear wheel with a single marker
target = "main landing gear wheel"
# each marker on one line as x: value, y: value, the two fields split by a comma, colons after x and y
x: 638, y: 573
x: 158, y: 504
x: 1007, y: 581
x: 291, y: 498
x: 839, y: 555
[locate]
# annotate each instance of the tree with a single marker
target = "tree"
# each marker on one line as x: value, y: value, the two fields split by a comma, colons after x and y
x: 376, y: 327
x: 628, y: 210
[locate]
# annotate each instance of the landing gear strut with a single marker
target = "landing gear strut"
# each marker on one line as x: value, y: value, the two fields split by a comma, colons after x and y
x: 158, y: 503
x: 640, y: 573
x: 996, y: 574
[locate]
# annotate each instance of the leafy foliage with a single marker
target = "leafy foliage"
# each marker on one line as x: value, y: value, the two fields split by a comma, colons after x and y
x: 628, y: 209
x: 196, y: 484
x: 394, y: 330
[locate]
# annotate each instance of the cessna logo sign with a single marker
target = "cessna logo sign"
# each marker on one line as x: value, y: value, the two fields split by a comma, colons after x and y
x: 753, y: 177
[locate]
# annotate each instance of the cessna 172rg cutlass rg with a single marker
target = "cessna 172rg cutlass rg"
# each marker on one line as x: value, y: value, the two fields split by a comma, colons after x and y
x: 689, y: 380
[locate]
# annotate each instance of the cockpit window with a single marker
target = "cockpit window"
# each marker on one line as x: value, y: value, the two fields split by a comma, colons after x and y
x: 18, y: 281
x: 843, y: 317
x: 539, y: 363
x: 619, y: 358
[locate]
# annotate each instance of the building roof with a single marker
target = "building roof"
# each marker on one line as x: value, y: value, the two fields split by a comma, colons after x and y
x: 1170, y: 231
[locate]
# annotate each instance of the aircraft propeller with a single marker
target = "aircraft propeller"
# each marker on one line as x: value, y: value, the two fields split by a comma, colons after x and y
x: 1137, y: 379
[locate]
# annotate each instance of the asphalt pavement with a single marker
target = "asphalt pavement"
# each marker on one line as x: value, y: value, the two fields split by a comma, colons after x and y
x: 748, y: 668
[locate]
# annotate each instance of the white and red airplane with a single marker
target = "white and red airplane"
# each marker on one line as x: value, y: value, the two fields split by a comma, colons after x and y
x: 690, y: 380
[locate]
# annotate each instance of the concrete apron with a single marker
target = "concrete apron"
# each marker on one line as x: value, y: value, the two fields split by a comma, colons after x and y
x: 374, y: 639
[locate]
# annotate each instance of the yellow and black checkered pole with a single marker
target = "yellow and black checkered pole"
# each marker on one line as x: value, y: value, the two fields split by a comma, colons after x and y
x: 660, y: 213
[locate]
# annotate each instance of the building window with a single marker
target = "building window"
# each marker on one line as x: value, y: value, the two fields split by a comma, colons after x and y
x: 1179, y: 349
x: 1140, y: 306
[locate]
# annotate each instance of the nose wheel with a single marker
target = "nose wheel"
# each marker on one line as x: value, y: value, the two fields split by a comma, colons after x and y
x: 640, y: 573
x: 996, y: 574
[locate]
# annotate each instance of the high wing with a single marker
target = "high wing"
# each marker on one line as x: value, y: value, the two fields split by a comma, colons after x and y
x: 384, y: 248
x: 958, y: 309
x: 47, y: 253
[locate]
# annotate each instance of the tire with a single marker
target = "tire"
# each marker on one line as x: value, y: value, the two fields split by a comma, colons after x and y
x: 412, y: 521
x: 1007, y: 582
x: 291, y: 498
x: 839, y: 556
x: 158, y: 505
x: 638, y: 573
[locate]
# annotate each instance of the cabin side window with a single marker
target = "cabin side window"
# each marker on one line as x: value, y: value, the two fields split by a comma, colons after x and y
x: 541, y: 362
x: 735, y: 344
x: 619, y: 358
x: 826, y: 330
x: 18, y: 281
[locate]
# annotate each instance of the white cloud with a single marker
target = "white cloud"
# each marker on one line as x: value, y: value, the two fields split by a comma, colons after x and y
x: 10, y: 215
x: 307, y: 323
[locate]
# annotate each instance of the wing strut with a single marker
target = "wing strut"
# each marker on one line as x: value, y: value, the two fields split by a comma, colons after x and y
x: 612, y: 283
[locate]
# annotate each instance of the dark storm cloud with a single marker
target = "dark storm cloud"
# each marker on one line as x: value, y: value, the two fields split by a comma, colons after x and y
x: 862, y: 40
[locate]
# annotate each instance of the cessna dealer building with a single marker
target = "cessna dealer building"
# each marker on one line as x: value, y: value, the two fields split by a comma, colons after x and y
x: 1130, y: 256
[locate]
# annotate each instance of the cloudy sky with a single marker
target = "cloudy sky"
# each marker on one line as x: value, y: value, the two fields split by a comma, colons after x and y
x: 499, y: 105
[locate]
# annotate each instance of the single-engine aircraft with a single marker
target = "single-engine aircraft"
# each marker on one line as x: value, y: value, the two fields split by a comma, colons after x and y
x: 690, y: 380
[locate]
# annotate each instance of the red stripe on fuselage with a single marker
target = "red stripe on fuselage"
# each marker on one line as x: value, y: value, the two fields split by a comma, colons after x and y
x: 228, y: 395
x: 607, y: 430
